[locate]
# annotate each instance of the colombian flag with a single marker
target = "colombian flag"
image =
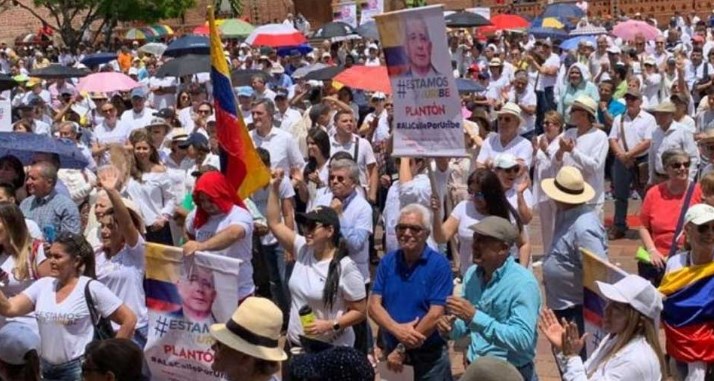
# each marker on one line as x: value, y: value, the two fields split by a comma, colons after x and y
x: 688, y: 315
x: 243, y: 167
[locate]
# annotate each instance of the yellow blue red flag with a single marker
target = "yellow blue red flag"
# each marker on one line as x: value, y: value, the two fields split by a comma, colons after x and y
x: 243, y: 167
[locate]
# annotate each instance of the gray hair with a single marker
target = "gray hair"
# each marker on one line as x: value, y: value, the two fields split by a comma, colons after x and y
x: 47, y: 170
x: 269, y: 105
x: 669, y: 155
x: 423, y: 211
x: 349, y: 165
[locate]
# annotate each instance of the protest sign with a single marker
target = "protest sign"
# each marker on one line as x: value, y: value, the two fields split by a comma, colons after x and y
x: 184, y: 296
x: 347, y: 13
x: 5, y: 115
x: 427, y: 108
x: 370, y: 9
x: 595, y: 269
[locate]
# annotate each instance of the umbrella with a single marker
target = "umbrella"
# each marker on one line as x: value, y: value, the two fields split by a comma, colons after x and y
x: 98, y: 59
x: 627, y: 30
x: 156, y: 49
x: 303, y: 71
x: 464, y: 19
x: 588, y: 30
x: 563, y: 11
x: 553, y: 34
x: 368, y: 30
x: 325, y: 73
x: 24, y: 146
x: 464, y: 85
x: 185, y: 65
x: 572, y: 43
x: 188, y: 45
x: 505, y: 22
x: 201, y: 30
x: 245, y: 77
x: 290, y: 50
x: 336, y: 31
x: 55, y: 71
x: 7, y: 82
x: 163, y: 30
x: 275, y: 35
x: 106, y: 82
x: 234, y: 28
x: 369, y: 78
x: 137, y: 34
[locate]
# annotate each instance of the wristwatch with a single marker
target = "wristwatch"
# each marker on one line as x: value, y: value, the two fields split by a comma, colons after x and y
x: 336, y: 326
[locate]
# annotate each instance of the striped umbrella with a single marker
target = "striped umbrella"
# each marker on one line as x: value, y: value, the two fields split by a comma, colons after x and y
x: 588, y: 30
x: 135, y: 34
x: 275, y: 35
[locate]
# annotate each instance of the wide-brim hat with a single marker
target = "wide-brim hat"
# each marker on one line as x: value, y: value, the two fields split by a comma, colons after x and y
x: 511, y: 108
x: 254, y: 329
x: 568, y: 187
x: 585, y: 103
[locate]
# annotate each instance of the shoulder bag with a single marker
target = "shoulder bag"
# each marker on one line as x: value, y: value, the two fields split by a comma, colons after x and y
x: 102, y: 326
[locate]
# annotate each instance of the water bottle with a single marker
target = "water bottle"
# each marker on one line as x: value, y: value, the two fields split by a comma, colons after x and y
x: 307, y: 317
x: 49, y: 232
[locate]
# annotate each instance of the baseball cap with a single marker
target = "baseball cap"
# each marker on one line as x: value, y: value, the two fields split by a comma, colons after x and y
x: 699, y: 214
x: 633, y: 93
x: 165, y: 113
x: 157, y: 121
x: 133, y: 71
x: 378, y: 95
x: 277, y: 69
x: 138, y: 92
x: 196, y: 139
x: 322, y: 215
x: 505, y: 160
x: 635, y: 291
x: 16, y: 339
x: 281, y: 92
x: 498, y: 228
x: 244, y: 91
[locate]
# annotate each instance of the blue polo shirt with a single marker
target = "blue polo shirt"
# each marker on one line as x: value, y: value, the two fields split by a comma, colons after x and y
x: 409, y: 292
x: 615, y: 108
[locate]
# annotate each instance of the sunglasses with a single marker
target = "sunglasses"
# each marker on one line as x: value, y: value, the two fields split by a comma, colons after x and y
x: 514, y: 169
x: 339, y: 179
x: 106, y: 110
x: 204, y: 111
x: 416, y: 229
x: 506, y: 119
x: 679, y: 165
x: 312, y: 226
x: 706, y: 228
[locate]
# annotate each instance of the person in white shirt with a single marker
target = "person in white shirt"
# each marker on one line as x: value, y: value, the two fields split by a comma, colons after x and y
x: 631, y: 348
x: 284, y: 151
x: 260, y: 88
x: 345, y: 140
x: 544, y: 167
x: 285, y: 116
x: 112, y: 131
x: 139, y: 116
x: 666, y: 136
x: 163, y: 90
x: 372, y: 56
x: 698, y: 74
x: 375, y: 126
x: 585, y: 147
x: 29, y: 115
x: 651, y: 82
x: 507, y: 139
x: 545, y: 81
x: 630, y: 138
x: 498, y: 81
x: 523, y: 95
x: 221, y: 225
x: 186, y: 115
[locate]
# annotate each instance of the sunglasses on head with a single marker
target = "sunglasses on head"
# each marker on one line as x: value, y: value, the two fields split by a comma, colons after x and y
x: 682, y: 164
x: 402, y: 228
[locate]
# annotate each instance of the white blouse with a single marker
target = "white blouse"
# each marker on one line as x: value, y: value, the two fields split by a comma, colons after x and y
x: 153, y: 196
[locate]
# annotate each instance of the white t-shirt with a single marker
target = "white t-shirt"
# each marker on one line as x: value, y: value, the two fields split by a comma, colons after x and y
x: 307, y: 284
x: 545, y: 81
x: 66, y: 327
x: 519, y: 147
x: 467, y: 215
x: 123, y: 274
x: 138, y: 120
x: 13, y: 286
x: 241, y: 249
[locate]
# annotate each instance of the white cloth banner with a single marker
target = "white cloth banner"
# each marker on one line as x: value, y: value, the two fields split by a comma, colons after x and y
x: 185, y: 295
x: 427, y: 108
x: 372, y: 8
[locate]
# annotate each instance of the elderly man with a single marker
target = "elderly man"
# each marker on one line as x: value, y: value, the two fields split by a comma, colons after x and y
x: 418, y: 48
x: 577, y: 226
x: 669, y: 135
x: 523, y: 95
x: 139, y: 116
x: 499, y: 302
x: 630, y: 138
x: 53, y: 212
x: 284, y: 151
x: 410, y: 290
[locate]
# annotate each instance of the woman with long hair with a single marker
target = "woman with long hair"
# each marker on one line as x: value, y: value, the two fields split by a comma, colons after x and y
x: 631, y: 349
x: 183, y: 100
x: 13, y: 172
x: 324, y: 278
x: 487, y: 199
x: 60, y: 305
x: 149, y: 187
x: 316, y: 168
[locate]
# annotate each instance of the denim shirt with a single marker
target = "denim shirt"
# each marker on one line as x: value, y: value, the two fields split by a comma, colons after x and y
x: 504, y: 325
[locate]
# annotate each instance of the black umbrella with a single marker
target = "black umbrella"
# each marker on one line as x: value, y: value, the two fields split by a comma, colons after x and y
x: 185, y: 65
x: 324, y: 74
x: 368, y: 30
x: 55, y: 71
x: 188, y: 45
x: 245, y: 77
x: 336, y: 31
x: 464, y: 19
x: 465, y: 86
x: 6, y: 82
x: 98, y: 59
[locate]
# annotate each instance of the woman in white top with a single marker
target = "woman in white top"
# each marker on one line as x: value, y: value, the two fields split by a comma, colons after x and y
x: 61, y: 309
x: 119, y: 260
x: 629, y: 351
x: 150, y: 188
x: 316, y: 168
x: 324, y: 277
x: 544, y: 167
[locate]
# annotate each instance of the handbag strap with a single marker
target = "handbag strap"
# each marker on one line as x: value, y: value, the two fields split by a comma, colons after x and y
x: 680, y: 221
x: 622, y: 131
x: 90, y: 305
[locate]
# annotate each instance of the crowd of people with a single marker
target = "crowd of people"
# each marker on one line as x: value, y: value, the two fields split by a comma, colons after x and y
x: 429, y: 250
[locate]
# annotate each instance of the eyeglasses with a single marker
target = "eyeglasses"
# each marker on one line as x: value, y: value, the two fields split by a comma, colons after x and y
x: 706, y: 228
x: 513, y: 169
x: 106, y: 110
x: 505, y: 119
x: 416, y: 229
x: 204, y: 111
x: 679, y: 165
x: 339, y: 179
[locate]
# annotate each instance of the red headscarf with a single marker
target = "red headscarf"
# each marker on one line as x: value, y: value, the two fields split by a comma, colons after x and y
x: 214, y: 185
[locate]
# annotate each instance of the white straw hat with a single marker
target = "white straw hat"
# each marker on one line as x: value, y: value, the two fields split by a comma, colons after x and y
x: 568, y: 187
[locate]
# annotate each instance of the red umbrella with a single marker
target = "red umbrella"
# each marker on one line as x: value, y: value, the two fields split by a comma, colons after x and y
x: 201, y: 30
x: 504, y: 22
x: 370, y: 78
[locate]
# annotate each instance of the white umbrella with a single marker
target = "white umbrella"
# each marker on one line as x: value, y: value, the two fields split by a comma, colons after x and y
x: 156, y: 49
x: 275, y: 35
x: 588, y: 30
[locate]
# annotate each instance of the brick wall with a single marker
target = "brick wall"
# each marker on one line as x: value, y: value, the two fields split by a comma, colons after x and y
x: 16, y: 21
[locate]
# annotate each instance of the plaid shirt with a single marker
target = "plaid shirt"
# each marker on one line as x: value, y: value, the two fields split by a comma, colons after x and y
x: 54, y: 210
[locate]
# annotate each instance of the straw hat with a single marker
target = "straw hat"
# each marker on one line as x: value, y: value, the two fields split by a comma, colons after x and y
x: 585, y: 103
x: 568, y: 187
x: 254, y: 329
x: 511, y: 108
x: 666, y: 107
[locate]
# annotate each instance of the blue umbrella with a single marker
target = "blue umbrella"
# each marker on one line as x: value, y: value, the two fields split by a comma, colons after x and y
x: 552, y: 33
x: 572, y: 43
x: 563, y: 11
x: 98, y: 59
x: 290, y: 50
x: 188, y: 45
x: 464, y: 85
x: 24, y: 146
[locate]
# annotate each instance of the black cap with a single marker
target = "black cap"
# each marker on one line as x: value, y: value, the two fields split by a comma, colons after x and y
x: 165, y: 113
x: 196, y: 139
x: 281, y: 92
x: 321, y: 214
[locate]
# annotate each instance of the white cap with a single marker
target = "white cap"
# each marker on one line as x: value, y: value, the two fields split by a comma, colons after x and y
x: 16, y: 339
x: 614, y: 49
x: 505, y: 160
x: 378, y: 95
x: 635, y: 291
x: 699, y: 214
x: 372, y: 46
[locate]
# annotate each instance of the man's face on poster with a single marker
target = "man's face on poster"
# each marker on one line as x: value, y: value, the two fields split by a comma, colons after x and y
x: 197, y: 291
x: 418, y: 44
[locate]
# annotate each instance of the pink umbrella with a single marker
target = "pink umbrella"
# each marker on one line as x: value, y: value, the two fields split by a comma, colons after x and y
x: 275, y: 35
x: 627, y: 30
x: 105, y: 82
